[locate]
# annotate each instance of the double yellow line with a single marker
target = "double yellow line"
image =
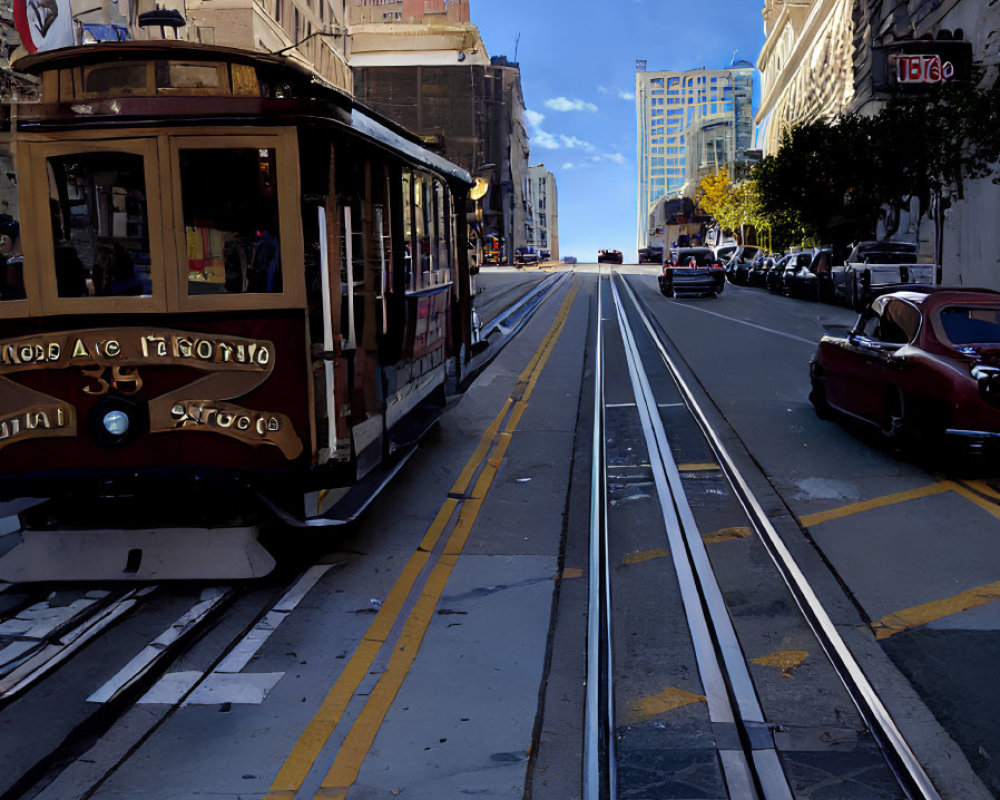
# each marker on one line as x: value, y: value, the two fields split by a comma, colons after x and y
x: 458, y: 514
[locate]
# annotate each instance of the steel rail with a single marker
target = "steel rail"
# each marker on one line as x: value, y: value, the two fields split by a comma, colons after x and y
x: 751, y: 767
x: 598, y: 763
x: 907, y: 768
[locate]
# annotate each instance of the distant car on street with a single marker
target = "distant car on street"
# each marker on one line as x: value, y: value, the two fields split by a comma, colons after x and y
x: 692, y: 270
x: 920, y: 365
x: 651, y: 255
x: 526, y: 255
x: 609, y: 256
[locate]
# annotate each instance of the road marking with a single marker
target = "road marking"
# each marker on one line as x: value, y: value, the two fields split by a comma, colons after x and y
x: 670, y: 699
x: 785, y: 660
x: 727, y: 535
x: 53, y: 654
x: 916, y: 616
x: 154, y: 651
x: 810, y: 342
x: 226, y: 683
x: 619, y: 405
x: 709, y: 467
x: 571, y: 572
x: 809, y: 520
x: 486, y: 460
x: 968, y: 490
x: 646, y: 555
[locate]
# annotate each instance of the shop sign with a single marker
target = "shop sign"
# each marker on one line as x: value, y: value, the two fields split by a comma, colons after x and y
x: 916, y: 64
x: 923, y: 69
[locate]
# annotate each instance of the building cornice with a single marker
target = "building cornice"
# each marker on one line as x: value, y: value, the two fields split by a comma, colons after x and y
x: 815, y: 22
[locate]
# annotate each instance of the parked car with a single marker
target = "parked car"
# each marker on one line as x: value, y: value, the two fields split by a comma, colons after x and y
x: 692, y: 270
x: 918, y: 364
x: 793, y: 264
x: 757, y: 275
x: 773, y: 279
x: 738, y: 265
x: 810, y: 279
x: 526, y: 255
x: 724, y: 252
x: 544, y: 255
x: 873, y: 268
x: 609, y: 256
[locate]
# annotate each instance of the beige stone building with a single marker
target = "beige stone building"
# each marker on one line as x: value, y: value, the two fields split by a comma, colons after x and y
x: 543, y: 201
x: 806, y: 67
x: 824, y: 57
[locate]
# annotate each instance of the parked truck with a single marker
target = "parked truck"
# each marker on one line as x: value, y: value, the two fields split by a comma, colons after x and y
x: 874, y: 268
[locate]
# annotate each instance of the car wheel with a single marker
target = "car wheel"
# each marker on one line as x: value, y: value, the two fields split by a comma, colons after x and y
x: 817, y: 395
x: 895, y: 422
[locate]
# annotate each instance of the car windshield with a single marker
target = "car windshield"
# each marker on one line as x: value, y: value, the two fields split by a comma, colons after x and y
x: 700, y: 259
x: 971, y: 325
x: 889, y: 256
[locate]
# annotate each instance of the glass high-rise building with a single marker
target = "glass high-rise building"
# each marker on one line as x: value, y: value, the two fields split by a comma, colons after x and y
x: 689, y: 124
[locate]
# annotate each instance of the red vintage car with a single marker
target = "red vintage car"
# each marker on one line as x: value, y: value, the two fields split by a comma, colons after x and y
x: 920, y: 365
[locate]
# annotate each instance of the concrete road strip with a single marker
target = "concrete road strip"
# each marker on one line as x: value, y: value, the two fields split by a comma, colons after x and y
x: 793, y: 337
x: 432, y: 564
x: 158, y: 648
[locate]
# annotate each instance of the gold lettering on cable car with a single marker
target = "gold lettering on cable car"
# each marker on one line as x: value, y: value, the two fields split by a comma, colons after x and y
x: 111, y: 359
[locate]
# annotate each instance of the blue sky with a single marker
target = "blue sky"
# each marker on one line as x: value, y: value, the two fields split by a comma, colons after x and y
x: 578, y: 75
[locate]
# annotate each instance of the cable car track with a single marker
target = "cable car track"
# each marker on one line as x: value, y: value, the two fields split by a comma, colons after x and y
x: 754, y: 768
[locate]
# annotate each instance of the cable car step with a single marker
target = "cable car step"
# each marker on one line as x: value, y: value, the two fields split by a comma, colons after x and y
x: 136, y: 555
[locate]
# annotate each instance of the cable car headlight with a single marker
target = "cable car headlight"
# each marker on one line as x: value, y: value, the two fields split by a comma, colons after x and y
x: 116, y: 423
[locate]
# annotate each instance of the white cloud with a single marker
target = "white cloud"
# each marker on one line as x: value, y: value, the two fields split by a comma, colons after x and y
x: 565, y: 104
x: 533, y: 118
x: 626, y: 95
x: 545, y: 140
x: 569, y: 165
x: 603, y: 90
x: 573, y: 143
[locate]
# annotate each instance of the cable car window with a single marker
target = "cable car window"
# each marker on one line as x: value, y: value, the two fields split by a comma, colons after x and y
x: 100, y: 225
x: 11, y: 258
x: 443, y: 261
x: 230, y: 207
x: 117, y: 79
x: 422, y: 256
x: 408, y: 229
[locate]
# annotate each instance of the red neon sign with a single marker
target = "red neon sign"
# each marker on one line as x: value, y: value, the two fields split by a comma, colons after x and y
x: 923, y: 69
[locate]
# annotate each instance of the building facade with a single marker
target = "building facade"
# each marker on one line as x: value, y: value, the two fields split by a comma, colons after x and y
x: 689, y: 124
x: 805, y: 65
x: 473, y: 115
x: 544, y: 202
x: 825, y: 57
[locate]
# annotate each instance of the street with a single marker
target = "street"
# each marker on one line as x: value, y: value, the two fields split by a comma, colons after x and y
x: 436, y: 648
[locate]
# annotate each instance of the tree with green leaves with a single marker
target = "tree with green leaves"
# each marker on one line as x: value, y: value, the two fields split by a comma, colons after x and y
x: 830, y: 179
